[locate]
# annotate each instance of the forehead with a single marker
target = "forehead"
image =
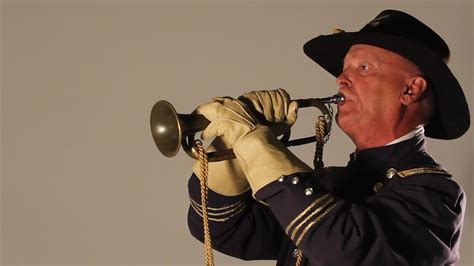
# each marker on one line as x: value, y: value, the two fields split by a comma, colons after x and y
x: 369, y: 52
x: 383, y: 56
x: 364, y: 51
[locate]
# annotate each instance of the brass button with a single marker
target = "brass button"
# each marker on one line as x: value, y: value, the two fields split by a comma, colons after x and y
x: 378, y: 186
x: 308, y: 191
x: 391, y: 173
x: 295, y: 180
x: 337, y: 30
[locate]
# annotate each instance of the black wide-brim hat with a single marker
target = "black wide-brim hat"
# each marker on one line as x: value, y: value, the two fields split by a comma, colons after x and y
x: 403, y: 34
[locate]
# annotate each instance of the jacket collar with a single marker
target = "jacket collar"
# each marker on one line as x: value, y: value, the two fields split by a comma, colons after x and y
x: 379, y: 159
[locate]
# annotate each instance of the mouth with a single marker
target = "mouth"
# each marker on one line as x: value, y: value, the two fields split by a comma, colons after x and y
x: 341, y: 99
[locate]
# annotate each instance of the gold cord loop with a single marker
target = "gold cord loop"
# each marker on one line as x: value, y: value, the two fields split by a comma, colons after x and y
x: 299, y: 257
x: 204, y: 189
x: 321, y: 129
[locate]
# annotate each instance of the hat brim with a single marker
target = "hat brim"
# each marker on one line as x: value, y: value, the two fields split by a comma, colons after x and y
x: 451, y: 117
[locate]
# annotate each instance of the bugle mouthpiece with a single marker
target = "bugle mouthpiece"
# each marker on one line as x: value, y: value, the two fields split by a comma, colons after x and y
x: 335, y: 99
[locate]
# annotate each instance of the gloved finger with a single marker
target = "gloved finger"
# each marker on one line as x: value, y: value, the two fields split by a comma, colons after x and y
x: 292, y: 113
x: 212, y: 130
x: 222, y: 99
x: 229, y: 103
x: 210, y: 110
x: 271, y: 104
x: 251, y: 100
x: 234, y: 107
x: 264, y: 101
x: 281, y: 101
x: 212, y: 105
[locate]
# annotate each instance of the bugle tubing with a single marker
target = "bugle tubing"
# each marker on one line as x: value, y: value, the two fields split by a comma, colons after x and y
x: 170, y: 129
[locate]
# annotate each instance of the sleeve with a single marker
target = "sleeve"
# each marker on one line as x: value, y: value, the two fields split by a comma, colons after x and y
x: 414, y: 220
x: 239, y: 226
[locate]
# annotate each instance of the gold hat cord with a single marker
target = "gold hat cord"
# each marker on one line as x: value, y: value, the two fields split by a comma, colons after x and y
x: 321, y: 127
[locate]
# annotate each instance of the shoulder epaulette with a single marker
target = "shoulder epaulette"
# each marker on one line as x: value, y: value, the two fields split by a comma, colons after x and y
x: 422, y: 170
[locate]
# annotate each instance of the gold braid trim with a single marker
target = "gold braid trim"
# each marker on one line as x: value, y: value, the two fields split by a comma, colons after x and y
x: 314, y: 213
x: 232, y: 212
x: 316, y: 219
x: 287, y: 230
x: 219, y: 208
x: 422, y: 170
x: 332, y: 204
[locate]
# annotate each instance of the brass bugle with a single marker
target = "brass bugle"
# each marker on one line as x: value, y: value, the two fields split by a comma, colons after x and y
x: 170, y: 129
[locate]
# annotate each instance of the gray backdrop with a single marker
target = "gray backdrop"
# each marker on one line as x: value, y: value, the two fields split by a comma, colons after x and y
x: 83, y: 183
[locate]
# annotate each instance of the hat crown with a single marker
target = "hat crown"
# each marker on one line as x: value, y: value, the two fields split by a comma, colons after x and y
x: 400, y: 24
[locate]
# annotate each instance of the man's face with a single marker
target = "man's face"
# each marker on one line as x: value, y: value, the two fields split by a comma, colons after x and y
x: 372, y: 81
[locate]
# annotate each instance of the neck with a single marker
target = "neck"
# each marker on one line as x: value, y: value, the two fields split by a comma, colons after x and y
x: 380, y: 136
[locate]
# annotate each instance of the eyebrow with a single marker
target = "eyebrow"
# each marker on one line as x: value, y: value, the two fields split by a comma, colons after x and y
x: 366, y: 57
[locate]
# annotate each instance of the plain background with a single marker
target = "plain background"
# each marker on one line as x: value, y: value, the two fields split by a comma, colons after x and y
x: 82, y: 181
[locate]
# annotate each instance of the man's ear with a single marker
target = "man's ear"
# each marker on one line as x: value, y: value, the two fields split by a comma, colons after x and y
x: 416, y: 86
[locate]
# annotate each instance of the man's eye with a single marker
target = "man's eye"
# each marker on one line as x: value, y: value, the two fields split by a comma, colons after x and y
x: 363, y: 67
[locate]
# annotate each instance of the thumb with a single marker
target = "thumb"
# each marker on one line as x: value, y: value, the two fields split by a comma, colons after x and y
x: 210, y: 131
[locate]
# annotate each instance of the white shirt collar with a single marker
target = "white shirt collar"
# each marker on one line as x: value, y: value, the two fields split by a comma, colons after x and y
x: 419, y: 130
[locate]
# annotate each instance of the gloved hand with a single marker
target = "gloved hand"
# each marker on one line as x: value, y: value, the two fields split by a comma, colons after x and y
x: 225, y: 177
x: 264, y: 158
x: 273, y: 108
x: 229, y: 119
x: 261, y: 155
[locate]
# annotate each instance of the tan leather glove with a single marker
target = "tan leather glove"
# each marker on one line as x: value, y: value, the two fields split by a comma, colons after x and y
x: 229, y: 119
x: 262, y: 156
x: 273, y: 108
x: 225, y: 177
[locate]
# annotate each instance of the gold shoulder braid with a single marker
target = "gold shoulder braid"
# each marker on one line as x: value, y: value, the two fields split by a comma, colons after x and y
x: 391, y: 172
x: 422, y: 170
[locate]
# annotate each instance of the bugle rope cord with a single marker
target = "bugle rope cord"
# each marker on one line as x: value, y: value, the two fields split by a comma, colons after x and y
x: 170, y: 127
x: 322, y: 132
x: 209, y: 255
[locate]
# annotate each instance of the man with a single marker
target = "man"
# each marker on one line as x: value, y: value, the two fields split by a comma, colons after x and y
x: 391, y: 205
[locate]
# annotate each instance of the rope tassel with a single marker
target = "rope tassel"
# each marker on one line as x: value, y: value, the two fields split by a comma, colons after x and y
x: 204, y: 189
x: 320, y: 132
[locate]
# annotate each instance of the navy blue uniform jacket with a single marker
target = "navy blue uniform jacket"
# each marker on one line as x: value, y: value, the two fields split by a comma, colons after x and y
x: 391, y: 205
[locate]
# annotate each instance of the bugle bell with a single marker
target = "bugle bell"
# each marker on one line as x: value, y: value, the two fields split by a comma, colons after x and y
x: 170, y: 129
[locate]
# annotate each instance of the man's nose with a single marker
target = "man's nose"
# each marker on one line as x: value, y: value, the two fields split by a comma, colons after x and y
x: 343, y: 80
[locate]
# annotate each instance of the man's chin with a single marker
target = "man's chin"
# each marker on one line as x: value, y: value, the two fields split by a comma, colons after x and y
x: 344, y: 121
x: 341, y: 116
x: 338, y: 120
